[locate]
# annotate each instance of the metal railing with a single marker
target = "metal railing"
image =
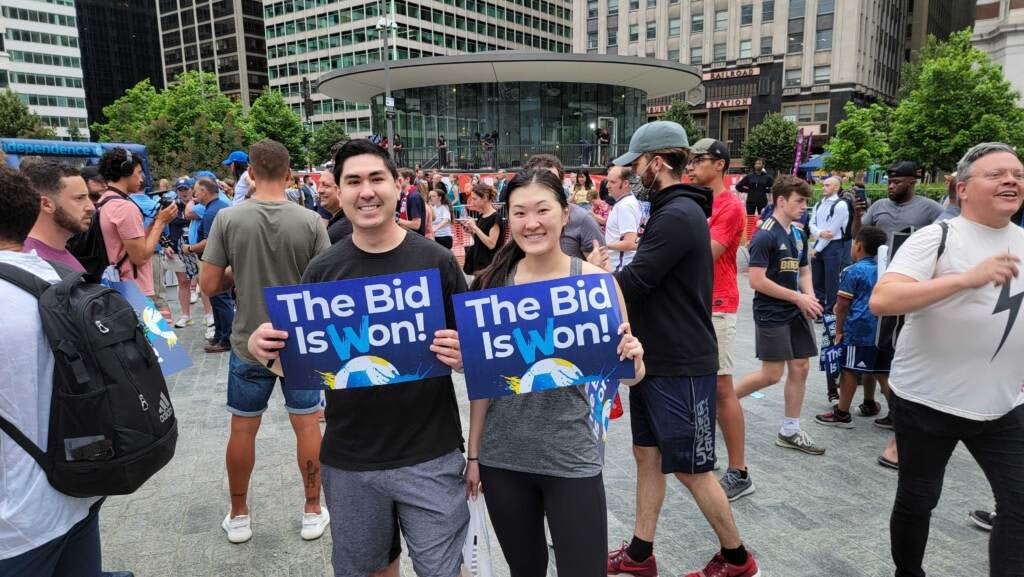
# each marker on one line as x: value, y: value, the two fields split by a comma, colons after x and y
x: 505, y: 156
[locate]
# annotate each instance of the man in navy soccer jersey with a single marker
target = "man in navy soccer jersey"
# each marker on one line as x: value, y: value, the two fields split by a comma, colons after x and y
x: 784, y: 303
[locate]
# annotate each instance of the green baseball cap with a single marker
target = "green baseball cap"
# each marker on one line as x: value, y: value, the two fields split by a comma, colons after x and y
x: 653, y: 136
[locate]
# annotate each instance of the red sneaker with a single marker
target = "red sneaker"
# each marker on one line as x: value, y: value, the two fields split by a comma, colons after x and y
x: 718, y: 567
x: 619, y: 562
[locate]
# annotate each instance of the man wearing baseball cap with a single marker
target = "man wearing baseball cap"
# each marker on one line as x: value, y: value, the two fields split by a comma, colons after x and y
x: 238, y: 160
x: 668, y: 292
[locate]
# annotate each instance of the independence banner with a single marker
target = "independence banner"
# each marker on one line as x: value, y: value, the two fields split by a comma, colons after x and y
x: 359, y: 333
x: 172, y: 355
x: 539, y: 336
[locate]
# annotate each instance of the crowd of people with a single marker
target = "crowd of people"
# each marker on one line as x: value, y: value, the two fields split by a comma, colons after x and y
x: 392, y: 463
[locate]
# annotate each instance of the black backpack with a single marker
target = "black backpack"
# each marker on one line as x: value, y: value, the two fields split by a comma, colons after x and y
x: 844, y: 196
x: 88, y: 247
x: 889, y: 327
x: 112, y: 425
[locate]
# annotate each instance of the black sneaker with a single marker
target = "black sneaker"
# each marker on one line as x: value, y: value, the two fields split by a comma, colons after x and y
x: 833, y: 419
x: 833, y: 398
x: 869, y: 409
x: 885, y: 422
x: 982, y: 519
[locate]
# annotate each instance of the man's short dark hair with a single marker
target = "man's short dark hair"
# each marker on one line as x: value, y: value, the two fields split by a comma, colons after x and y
x: 407, y: 174
x: 19, y: 206
x: 677, y: 158
x: 208, y: 185
x: 45, y: 175
x: 871, y: 237
x: 360, y: 147
x: 112, y: 164
x: 544, y: 162
x: 269, y: 160
x: 787, y: 185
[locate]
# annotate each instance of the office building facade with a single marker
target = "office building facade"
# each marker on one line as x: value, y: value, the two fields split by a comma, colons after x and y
x: 309, y: 38
x: 106, y: 71
x: 803, y: 58
x: 41, y: 62
x: 999, y: 31
x: 225, y: 37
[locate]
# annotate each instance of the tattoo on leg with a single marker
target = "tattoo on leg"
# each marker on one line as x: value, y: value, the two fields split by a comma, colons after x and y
x: 311, y: 473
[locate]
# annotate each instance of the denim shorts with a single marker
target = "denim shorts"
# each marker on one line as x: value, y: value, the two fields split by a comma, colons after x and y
x: 251, y: 384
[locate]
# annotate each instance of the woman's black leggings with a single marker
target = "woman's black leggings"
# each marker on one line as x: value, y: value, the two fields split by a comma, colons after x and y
x: 445, y: 241
x: 577, y: 516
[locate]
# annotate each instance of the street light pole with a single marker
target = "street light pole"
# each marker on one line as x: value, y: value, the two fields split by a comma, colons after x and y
x: 386, y: 25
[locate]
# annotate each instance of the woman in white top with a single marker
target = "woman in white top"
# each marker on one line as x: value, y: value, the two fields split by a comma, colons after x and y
x: 442, y: 221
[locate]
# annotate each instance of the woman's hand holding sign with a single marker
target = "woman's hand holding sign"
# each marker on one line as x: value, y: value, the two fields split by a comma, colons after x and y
x: 630, y: 348
x: 446, y: 347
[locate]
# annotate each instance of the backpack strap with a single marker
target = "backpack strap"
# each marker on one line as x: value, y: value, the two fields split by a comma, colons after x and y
x: 25, y: 443
x: 944, y: 225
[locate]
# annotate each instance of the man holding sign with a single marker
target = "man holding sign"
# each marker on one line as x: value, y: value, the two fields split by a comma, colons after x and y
x: 668, y: 289
x: 394, y: 448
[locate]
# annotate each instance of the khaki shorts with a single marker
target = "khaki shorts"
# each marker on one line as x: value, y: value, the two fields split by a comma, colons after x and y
x: 175, y: 264
x: 725, y: 330
x: 158, y: 283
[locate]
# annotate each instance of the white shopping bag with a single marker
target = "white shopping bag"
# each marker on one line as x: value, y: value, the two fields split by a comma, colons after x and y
x: 476, y: 553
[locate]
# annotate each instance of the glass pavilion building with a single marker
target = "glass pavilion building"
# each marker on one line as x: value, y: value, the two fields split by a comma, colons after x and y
x: 534, y: 102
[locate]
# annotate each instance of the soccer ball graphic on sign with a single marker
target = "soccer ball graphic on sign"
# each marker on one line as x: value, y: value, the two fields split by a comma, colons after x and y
x: 365, y: 371
x: 549, y: 374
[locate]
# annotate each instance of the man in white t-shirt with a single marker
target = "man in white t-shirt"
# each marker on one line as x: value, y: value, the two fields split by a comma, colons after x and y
x: 43, y: 533
x: 621, y: 231
x: 958, y: 373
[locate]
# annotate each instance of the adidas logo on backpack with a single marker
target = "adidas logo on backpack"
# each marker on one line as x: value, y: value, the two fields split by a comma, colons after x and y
x: 104, y: 437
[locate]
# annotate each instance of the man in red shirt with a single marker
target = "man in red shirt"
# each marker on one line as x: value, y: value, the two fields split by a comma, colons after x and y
x: 707, y: 168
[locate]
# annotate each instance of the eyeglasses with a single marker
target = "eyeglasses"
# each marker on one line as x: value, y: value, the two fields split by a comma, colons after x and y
x: 998, y: 175
x: 699, y: 159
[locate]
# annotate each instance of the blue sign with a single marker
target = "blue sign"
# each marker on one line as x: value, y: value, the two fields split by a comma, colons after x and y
x: 539, y: 336
x: 51, y: 148
x: 171, y: 354
x: 357, y: 333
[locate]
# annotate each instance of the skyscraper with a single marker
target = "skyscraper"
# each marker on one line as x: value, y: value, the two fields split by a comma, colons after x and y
x: 306, y: 39
x: 40, y: 61
x: 999, y: 31
x: 106, y: 71
x: 225, y: 37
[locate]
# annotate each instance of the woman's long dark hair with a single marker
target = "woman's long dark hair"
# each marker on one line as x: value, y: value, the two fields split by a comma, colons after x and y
x: 442, y: 194
x: 587, y: 184
x: 496, y: 274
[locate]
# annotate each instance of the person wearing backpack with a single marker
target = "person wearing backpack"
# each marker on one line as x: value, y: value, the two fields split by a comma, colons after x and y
x: 43, y: 532
x: 828, y: 224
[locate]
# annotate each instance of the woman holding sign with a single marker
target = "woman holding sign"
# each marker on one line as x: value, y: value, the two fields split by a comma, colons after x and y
x: 536, y: 455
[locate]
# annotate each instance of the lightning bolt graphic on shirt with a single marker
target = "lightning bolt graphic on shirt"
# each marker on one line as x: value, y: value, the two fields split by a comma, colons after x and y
x: 1010, y: 303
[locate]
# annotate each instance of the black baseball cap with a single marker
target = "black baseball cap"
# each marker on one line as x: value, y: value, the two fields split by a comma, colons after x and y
x: 712, y: 147
x: 91, y: 172
x: 902, y: 168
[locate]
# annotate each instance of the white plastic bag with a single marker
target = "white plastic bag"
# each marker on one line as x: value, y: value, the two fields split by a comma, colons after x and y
x: 476, y: 553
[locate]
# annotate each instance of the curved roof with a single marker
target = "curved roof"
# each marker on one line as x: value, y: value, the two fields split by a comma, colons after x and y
x: 656, y: 77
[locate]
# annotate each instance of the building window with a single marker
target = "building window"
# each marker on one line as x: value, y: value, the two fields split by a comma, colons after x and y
x: 734, y: 127
x: 673, y: 55
x: 795, y: 42
x: 675, y: 26
x: 591, y: 8
x: 826, y: 6
x: 823, y: 40
x: 613, y: 7
x: 768, y: 10
x: 634, y: 5
x: 746, y: 14
x: 745, y: 49
x: 696, y: 55
x: 634, y: 32
x: 796, y: 8
x: 592, y: 41
x: 613, y: 37
x: 805, y: 113
x: 766, y: 45
x: 822, y: 74
x: 792, y: 77
x: 821, y: 112
x: 696, y: 23
x: 652, y: 30
x: 719, y: 51
x: 721, y: 20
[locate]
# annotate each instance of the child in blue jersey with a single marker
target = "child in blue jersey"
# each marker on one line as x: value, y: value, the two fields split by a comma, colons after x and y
x: 856, y: 327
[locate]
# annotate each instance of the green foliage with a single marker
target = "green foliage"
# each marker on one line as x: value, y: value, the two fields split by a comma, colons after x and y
x: 75, y: 132
x: 774, y: 140
x: 271, y: 117
x: 17, y: 121
x: 861, y: 139
x: 186, y: 127
x: 958, y: 98
x: 323, y: 139
x: 679, y: 112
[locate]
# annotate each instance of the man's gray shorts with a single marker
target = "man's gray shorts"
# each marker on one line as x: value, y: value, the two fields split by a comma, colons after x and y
x: 430, y: 499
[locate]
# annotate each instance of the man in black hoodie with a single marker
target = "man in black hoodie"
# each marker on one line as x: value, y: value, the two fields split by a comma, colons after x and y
x: 668, y: 293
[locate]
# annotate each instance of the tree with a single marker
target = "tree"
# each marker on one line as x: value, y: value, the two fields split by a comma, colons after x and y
x: 271, y: 117
x: 774, y: 140
x: 17, y: 121
x: 323, y: 139
x: 679, y: 112
x: 75, y: 132
x: 958, y: 99
x: 861, y: 139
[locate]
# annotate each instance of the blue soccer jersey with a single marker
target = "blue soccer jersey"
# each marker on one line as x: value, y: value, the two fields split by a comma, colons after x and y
x: 856, y: 284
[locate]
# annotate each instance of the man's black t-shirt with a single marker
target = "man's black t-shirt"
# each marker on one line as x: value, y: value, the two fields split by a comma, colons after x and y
x: 782, y: 254
x: 339, y: 227
x: 390, y: 426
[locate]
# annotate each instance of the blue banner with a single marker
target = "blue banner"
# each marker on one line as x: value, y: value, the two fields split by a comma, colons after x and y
x: 539, y: 336
x: 357, y: 333
x: 171, y: 353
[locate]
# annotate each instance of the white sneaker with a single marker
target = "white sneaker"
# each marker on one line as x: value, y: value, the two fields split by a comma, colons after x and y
x: 210, y: 332
x: 313, y: 525
x: 183, y: 322
x: 209, y: 320
x: 194, y: 297
x: 239, y: 529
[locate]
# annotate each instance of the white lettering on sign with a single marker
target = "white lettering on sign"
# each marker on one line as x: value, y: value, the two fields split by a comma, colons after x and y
x: 735, y: 73
x: 728, y: 103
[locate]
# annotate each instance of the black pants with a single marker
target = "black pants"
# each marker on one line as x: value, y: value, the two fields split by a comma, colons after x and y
x: 926, y: 439
x: 577, y: 516
x: 756, y: 207
x: 445, y: 241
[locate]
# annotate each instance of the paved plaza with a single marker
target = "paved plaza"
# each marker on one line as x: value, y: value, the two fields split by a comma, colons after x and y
x: 809, y: 517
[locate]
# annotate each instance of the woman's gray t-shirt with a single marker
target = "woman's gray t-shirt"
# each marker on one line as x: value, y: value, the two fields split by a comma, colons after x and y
x: 547, y: 433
